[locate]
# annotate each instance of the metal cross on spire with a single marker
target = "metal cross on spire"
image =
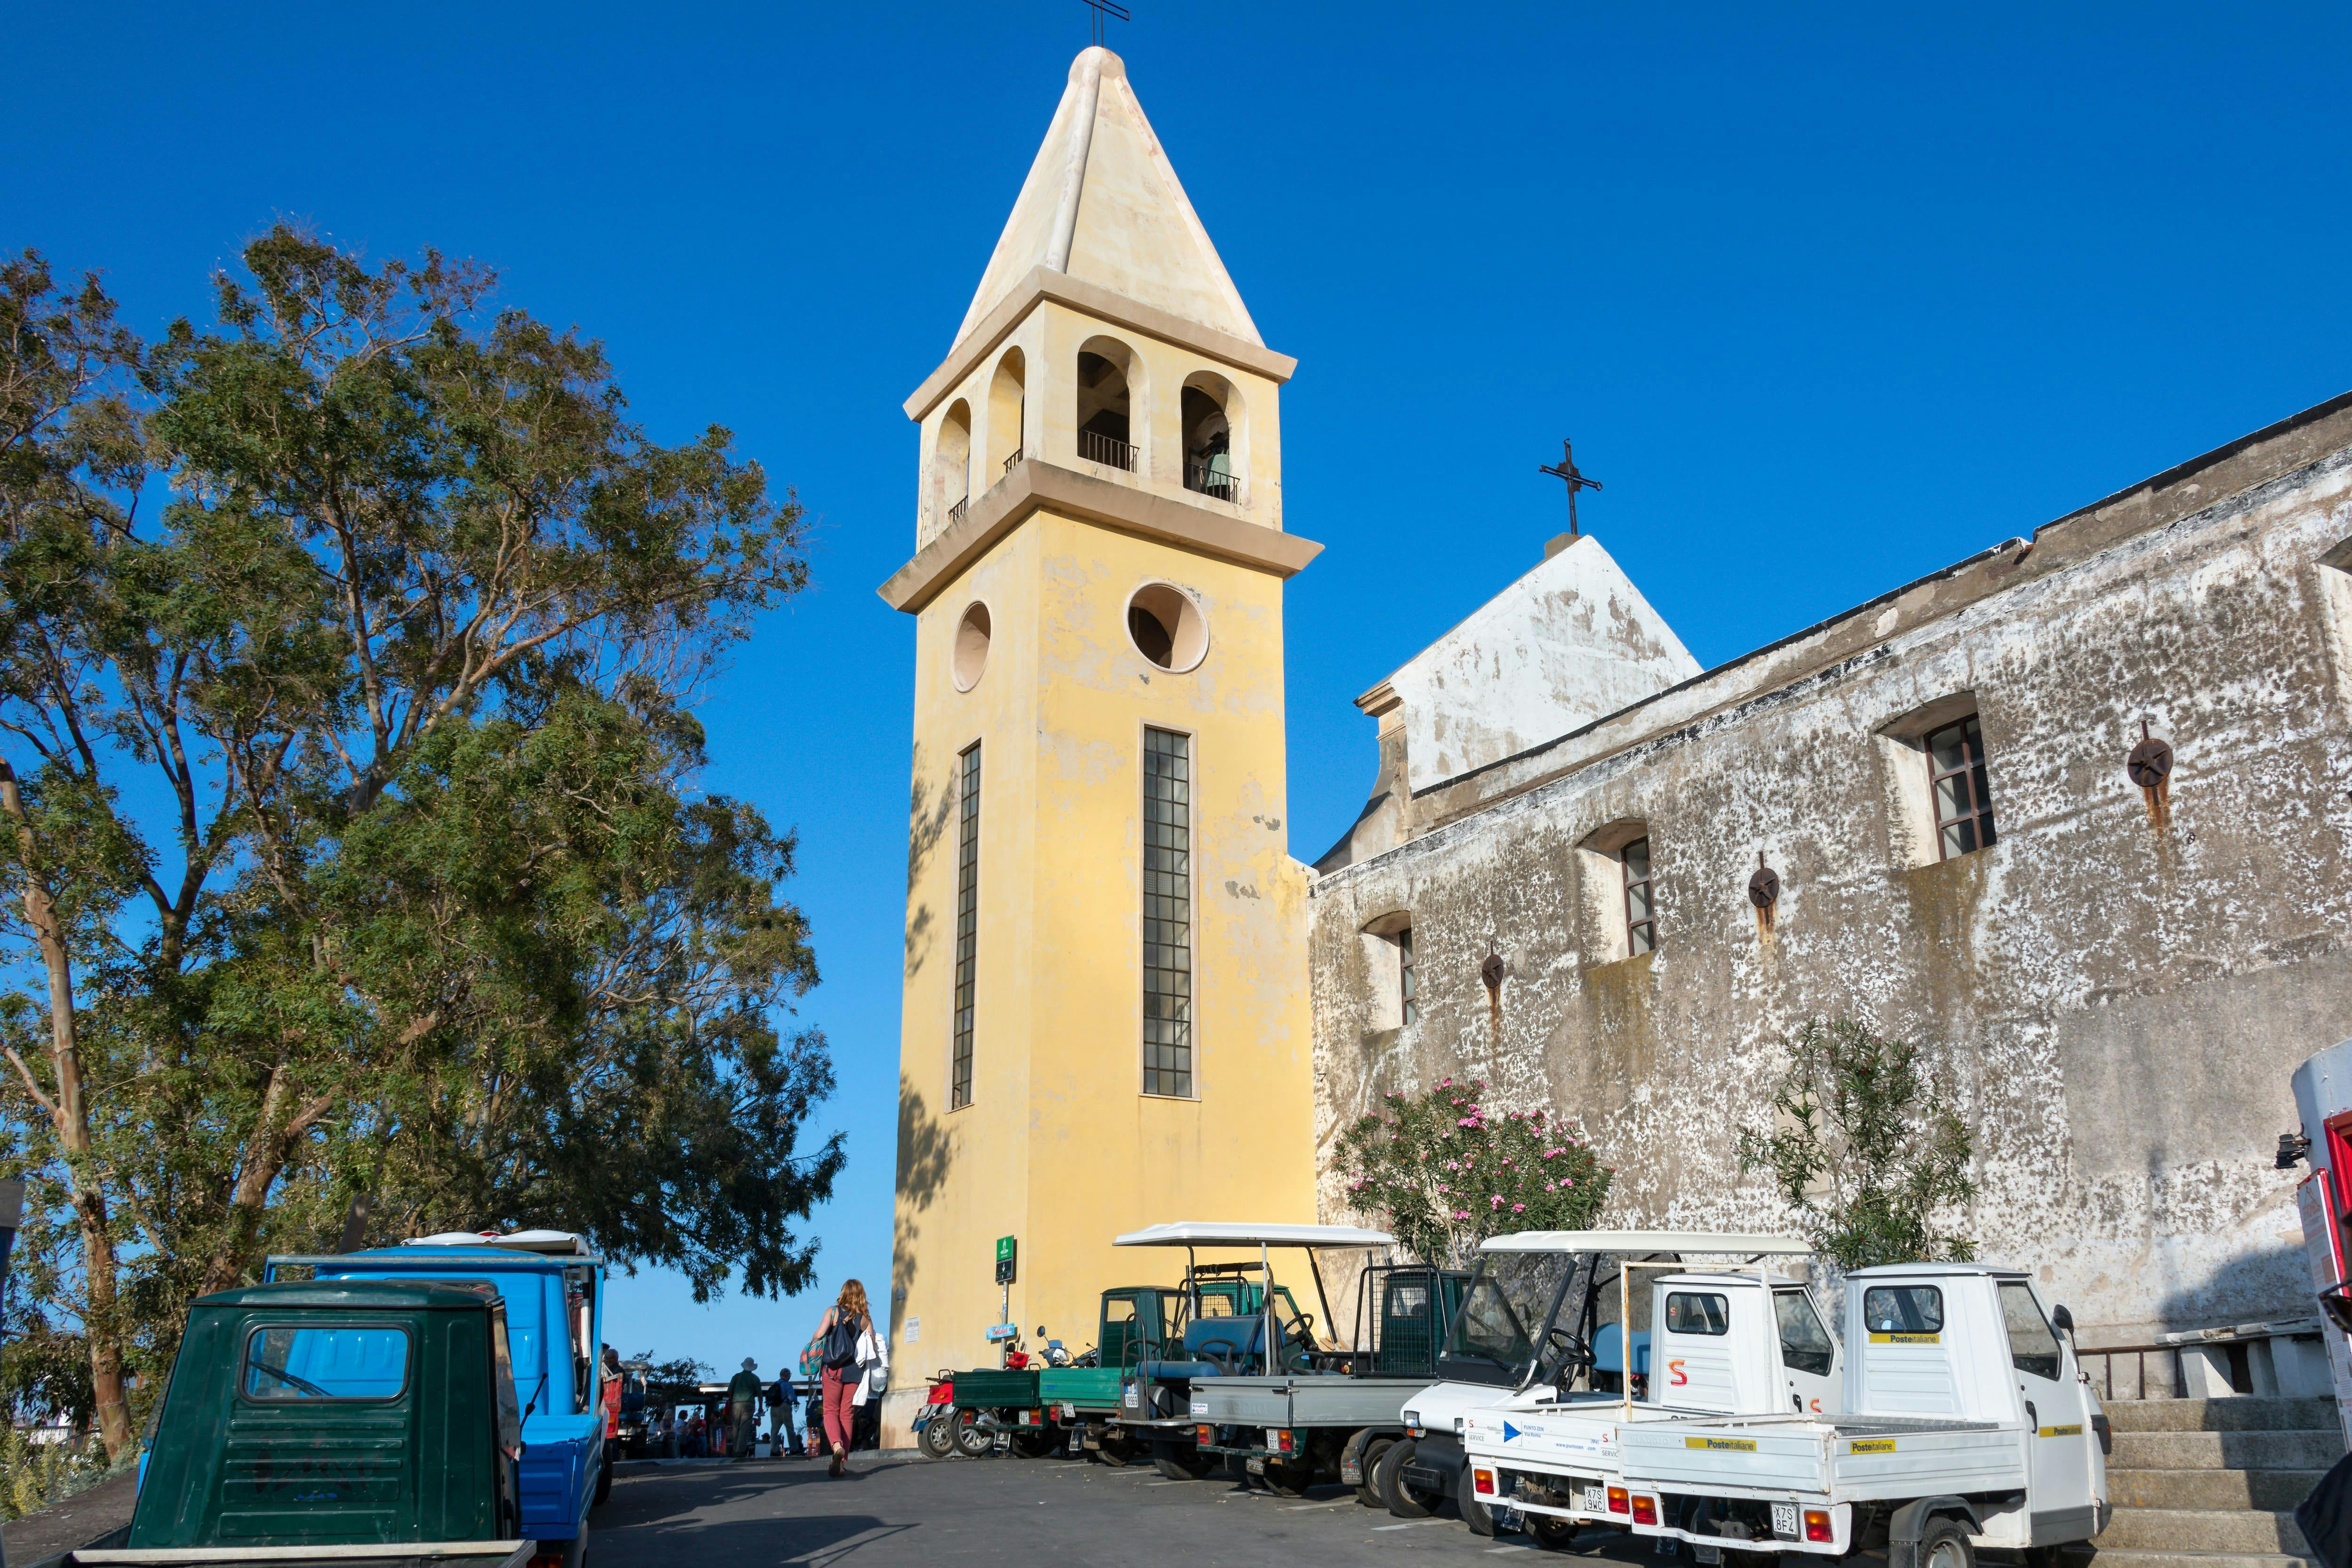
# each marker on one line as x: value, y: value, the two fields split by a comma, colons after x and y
x: 1566, y: 469
x: 1102, y: 8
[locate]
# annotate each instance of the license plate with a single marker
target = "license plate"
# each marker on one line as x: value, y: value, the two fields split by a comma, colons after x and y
x: 1128, y: 1398
x: 1784, y: 1520
x: 1705, y: 1553
x: 1256, y: 1467
x: 1596, y: 1499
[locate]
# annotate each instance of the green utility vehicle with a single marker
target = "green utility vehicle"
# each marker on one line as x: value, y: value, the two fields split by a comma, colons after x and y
x: 1235, y: 1320
x: 372, y: 1422
x: 1335, y: 1416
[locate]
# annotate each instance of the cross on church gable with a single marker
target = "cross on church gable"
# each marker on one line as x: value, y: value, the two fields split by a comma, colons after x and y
x: 1566, y: 470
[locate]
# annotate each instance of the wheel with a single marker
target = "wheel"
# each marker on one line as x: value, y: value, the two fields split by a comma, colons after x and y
x: 1551, y: 1534
x: 938, y: 1440
x: 1945, y: 1544
x: 605, y: 1480
x: 1180, y: 1462
x: 1404, y: 1500
x: 972, y: 1440
x: 1369, y: 1493
x: 1033, y: 1445
x: 1120, y: 1451
x: 1474, y: 1511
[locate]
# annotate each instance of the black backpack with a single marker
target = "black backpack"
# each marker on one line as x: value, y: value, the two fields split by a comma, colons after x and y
x: 841, y: 1346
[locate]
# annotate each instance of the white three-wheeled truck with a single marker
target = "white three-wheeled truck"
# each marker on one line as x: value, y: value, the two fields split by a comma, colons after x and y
x: 1967, y: 1424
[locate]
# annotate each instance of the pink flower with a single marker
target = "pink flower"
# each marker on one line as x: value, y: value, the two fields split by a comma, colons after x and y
x: 1495, y: 1201
x: 1567, y: 1182
x: 1519, y: 1209
x: 1445, y: 1083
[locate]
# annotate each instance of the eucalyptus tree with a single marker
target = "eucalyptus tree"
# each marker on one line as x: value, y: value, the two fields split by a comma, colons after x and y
x: 347, y: 660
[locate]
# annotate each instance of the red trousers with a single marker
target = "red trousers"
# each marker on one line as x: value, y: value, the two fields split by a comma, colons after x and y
x: 838, y: 1412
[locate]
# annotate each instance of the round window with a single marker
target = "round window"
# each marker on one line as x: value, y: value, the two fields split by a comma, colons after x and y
x: 1167, y: 626
x: 969, y: 657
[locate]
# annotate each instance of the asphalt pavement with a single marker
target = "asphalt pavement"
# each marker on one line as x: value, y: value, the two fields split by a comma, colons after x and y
x: 900, y: 1510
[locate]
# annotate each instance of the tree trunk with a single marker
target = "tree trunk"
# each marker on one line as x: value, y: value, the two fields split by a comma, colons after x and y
x: 69, y: 1113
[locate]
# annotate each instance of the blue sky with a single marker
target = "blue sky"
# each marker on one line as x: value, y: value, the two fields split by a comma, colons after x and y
x: 1828, y: 297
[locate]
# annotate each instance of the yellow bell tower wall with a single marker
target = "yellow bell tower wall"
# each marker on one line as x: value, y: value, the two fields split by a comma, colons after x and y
x: 1089, y: 448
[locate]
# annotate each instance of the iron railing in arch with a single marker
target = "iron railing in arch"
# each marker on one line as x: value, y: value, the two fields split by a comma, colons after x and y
x: 956, y: 512
x: 1095, y: 447
x: 1012, y: 460
x: 1223, y: 484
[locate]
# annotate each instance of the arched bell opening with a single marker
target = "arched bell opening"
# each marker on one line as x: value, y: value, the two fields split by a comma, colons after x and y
x: 1106, y: 411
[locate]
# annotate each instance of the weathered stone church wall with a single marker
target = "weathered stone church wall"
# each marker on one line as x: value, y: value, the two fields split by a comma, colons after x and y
x: 2115, y: 1006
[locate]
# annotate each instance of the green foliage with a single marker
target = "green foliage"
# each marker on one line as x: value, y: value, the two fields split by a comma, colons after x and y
x: 1863, y: 1151
x: 420, y: 921
x: 33, y: 1475
x: 1444, y: 1173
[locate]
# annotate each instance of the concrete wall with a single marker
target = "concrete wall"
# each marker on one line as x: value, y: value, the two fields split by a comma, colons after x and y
x: 2114, y: 1006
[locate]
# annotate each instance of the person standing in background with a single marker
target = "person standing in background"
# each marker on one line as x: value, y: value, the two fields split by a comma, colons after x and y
x: 847, y: 1332
x: 743, y: 1410
x: 812, y: 1379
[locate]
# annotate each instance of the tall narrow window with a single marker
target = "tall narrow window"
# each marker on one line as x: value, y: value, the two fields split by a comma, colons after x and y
x: 967, y: 948
x: 1412, y: 1008
x: 1956, y: 761
x: 1641, y: 912
x: 1167, y: 912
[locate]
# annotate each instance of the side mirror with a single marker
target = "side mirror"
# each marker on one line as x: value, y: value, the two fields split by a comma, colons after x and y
x: 2063, y: 1319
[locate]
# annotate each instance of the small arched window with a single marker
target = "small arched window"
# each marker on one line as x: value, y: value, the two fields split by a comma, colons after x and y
x: 951, y: 463
x: 1105, y: 411
x: 1007, y: 397
x: 1212, y: 463
x: 1617, y: 867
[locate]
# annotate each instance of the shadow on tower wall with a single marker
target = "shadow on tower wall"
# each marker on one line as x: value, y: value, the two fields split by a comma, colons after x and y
x: 927, y: 829
x: 925, y: 1154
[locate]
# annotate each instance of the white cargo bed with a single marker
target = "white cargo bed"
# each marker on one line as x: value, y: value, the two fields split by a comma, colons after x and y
x: 1857, y: 1460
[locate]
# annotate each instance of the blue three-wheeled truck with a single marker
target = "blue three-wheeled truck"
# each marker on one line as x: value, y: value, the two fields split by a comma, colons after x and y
x: 554, y: 1293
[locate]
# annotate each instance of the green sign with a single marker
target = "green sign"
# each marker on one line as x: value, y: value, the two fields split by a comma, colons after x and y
x: 1005, y: 1252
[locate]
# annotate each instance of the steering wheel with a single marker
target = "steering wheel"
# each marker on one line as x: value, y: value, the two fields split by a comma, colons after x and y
x: 1225, y: 1367
x: 1573, y: 1351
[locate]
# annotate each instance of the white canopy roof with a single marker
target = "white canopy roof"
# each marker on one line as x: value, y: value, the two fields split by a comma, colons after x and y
x: 1685, y: 1241
x: 1228, y: 1233
x: 554, y: 1243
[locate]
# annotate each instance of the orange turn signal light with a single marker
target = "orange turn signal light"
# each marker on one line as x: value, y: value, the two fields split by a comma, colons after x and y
x: 1817, y: 1525
x: 1207, y: 1434
x: 1645, y: 1510
x: 1616, y: 1499
x: 1484, y: 1480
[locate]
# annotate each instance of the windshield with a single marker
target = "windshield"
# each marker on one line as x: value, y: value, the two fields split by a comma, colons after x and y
x: 1495, y: 1338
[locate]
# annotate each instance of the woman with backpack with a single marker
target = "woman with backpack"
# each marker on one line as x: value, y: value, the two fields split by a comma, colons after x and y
x: 852, y: 1354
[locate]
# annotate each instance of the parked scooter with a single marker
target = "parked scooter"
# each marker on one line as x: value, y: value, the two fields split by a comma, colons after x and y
x: 935, y: 1422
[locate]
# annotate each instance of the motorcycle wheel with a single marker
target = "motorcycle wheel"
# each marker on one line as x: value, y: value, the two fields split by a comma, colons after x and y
x: 939, y: 1436
x: 972, y: 1440
x: 1032, y: 1444
x: 1369, y: 1493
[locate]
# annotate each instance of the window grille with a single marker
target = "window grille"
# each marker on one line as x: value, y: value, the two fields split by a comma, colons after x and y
x: 1641, y: 912
x: 1955, y: 760
x: 1167, y: 913
x: 1411, y: 1006
x: 967, y: 947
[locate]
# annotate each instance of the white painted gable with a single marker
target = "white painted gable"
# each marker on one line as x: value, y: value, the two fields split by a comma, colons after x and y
x: 1571, y: 641
x: 1102, y: 206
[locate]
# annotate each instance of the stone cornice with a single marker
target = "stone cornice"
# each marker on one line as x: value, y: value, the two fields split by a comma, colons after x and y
x: 1104, y: 305
x: 1033, y: 485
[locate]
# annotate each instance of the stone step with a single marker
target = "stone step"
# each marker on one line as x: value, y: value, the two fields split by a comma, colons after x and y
x: 2210, y: 1489
x: 2200, y: 1529
x: 2243, y: 1414
x: 2138, y: 1557
x: 2258, y: 1451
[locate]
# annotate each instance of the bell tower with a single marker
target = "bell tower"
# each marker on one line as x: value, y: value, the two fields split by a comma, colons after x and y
x: 1106, y: 1020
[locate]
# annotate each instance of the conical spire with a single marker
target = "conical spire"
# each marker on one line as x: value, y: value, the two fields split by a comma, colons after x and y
x: 1103, y: 205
